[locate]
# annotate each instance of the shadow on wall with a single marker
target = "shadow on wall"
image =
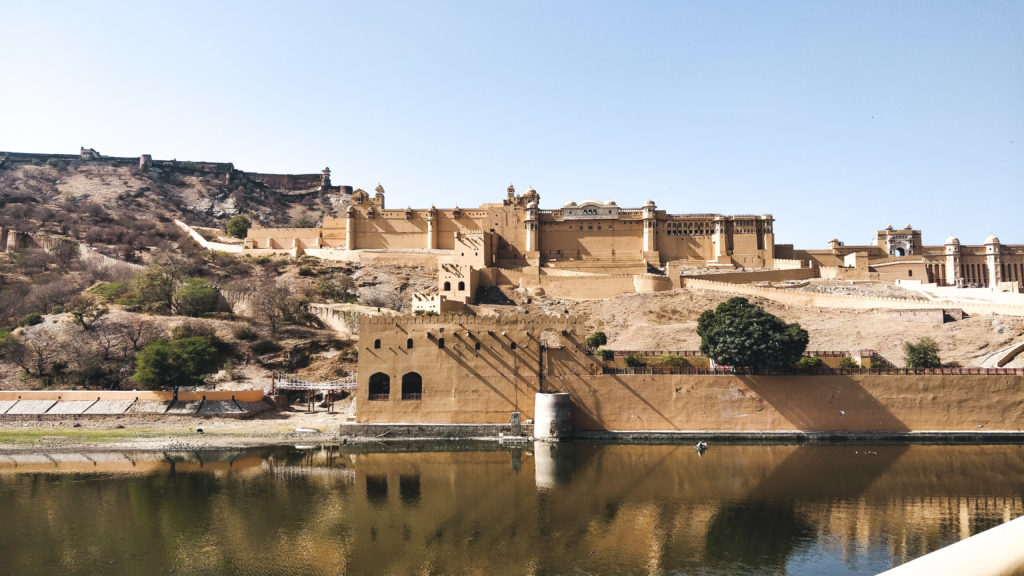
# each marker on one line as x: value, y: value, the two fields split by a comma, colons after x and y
x: 650, y: 416
x: 818, y: 404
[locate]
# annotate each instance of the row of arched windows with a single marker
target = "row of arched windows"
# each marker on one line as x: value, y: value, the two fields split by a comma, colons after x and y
x: 380, y: 386
x: 448, y: 286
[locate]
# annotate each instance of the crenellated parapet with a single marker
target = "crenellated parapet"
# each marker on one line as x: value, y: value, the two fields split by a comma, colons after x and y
x: 483, y: 322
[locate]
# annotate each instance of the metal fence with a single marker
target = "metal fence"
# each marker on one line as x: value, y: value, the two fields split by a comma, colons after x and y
x: 290, y: 382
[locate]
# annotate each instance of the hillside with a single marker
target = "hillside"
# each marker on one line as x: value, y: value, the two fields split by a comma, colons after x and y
x: 115, y: 202
x: 668, y: 321
x: 124, y: 207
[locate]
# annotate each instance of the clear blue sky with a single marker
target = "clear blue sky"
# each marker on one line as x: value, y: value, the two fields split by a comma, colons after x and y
x: 836, y: 117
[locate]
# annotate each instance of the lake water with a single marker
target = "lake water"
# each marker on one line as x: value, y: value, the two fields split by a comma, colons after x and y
x: 573, y: 508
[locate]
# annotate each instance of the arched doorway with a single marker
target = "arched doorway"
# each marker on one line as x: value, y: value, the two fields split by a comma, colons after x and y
x: 412, y: 386
x: 380, y: 386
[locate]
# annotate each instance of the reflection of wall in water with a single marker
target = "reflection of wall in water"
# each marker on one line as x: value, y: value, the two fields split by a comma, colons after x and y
x: 619, y: 507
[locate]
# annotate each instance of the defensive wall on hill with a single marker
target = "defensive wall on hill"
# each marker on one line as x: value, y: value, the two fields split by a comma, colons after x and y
x: 223, y: 170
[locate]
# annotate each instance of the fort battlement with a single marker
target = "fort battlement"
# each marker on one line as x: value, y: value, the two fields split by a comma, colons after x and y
x: 144, y: 162
x: 506, y: 321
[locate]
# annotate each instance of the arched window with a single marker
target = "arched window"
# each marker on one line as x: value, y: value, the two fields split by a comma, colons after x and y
x: 910, y: 272
x: 477, y: 346
x: 412, y: 386
x: 462, y: 285
x: 380, y: 386
x: 440, y: 343
x: 376, y: 344
x: 447, y: 286
x: 513, y: 345
x: 408, y: 343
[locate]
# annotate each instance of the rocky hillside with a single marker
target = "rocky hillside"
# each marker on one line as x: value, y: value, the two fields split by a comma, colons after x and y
x: 123, y: 201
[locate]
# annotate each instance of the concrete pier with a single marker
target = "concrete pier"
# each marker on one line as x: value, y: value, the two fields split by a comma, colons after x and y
x: 552, y: 416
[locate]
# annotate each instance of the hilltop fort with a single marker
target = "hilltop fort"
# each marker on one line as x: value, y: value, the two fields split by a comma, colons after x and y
x: 597, y: 249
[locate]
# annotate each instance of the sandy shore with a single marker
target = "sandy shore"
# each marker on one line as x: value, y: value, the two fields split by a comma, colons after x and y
x: 168, y: 432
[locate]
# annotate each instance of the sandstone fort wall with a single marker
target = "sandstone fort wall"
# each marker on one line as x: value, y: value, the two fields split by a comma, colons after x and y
x: 859, y: 402
x: 758, y: 276
x: 479, y: 370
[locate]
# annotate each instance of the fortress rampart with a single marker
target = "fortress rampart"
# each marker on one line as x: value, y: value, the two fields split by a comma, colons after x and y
x: 144, y: 162
x: 456, y: 369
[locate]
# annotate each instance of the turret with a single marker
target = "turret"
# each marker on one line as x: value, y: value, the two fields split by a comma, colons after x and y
x: 952, y: 245
x: 994, y: 261
x: 532, y: 214
x: 432, y: 228
x: 650, y: 226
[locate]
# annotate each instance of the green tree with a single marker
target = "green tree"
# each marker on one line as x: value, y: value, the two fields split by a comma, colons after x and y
x: 740, y: 334
x: 195, y: 297
x: 634, y: 361
x: 922, y: 354
x: 165, y: 364
x: 596, y: 340
x: 155, y: 285
x: 238, y: 226
x: 31, y: 319
x: 847, y: 363
x: 809, y: 364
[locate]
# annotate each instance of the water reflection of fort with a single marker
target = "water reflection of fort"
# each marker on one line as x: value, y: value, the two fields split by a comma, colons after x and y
x: 617, y: 507
x: 543, y: 509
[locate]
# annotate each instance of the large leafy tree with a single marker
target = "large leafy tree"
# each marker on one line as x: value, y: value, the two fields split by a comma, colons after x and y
x: 922, y: 354
x: 740, y: 334
x: 238, y: 226
x: 165, y: 364
x: 196, y: 297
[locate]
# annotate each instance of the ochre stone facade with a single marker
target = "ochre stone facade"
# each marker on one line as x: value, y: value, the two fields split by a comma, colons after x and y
x: 597, y: 249
x: 520, y: 233
x: 422, y: 370
x: 900, y: 255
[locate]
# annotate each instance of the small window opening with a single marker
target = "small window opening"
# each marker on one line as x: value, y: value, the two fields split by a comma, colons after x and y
x: 440, y: 343
x: 408, y: 343
x: 513, y: 345
x: 476, y: 346
x: 376, y: 344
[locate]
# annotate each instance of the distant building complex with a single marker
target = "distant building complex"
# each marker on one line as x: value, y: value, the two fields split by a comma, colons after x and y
x: 597, y: 249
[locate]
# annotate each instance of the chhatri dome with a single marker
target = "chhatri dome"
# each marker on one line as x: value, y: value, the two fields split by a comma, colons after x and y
x: 952, y: 240
x: 991, y: 239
